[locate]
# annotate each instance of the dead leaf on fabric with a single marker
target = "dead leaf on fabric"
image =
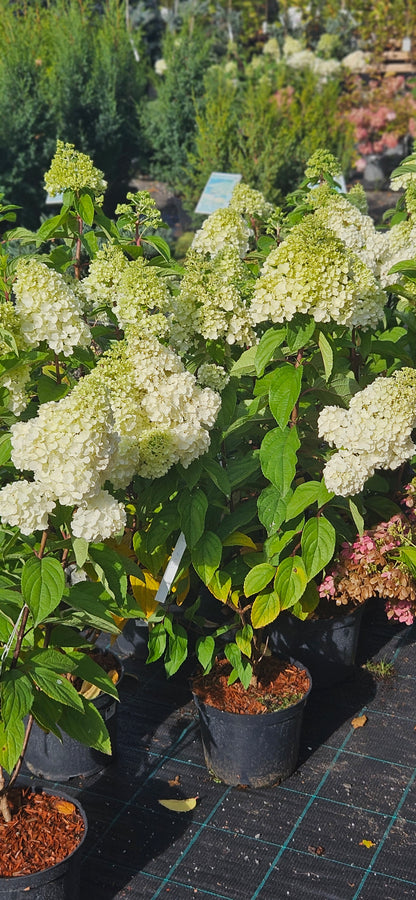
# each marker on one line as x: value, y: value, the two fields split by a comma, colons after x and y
x: 319, y: 851
x: 359, y: 721
x: 367, y: 844
x: 179, y: 805
x: 174, y: 782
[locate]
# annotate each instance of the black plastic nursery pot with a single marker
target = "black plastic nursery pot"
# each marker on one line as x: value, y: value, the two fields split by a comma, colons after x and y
x: 58, y: 882
x: 327, y: 646
x: 252, y: 750
x: 47, y: 757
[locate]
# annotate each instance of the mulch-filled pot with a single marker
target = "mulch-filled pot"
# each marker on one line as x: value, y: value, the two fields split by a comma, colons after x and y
x: 252, y: 737
x: 47, y: 757
x: 40, y: 848
x: 326, y: 644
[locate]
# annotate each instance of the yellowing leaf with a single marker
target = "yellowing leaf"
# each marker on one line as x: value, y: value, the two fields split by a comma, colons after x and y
x: 64, y: 807
x: 359, y: 721
x: 238, y: 539
x: 145, y: 592
x: 89, y: 691
x: 367, y: 844
x: 113, y: 675
x: 179, y: 805
x: 181, y: 589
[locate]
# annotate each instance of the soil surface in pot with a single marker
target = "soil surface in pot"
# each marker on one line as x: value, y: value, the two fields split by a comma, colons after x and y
x: 279, y: 685
x: 44, y: 830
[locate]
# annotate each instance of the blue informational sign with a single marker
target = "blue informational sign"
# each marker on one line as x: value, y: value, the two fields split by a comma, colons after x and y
x: 217, y: 192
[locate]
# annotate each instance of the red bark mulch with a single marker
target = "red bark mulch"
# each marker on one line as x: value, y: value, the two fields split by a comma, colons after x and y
x: 279, y: 684
x: 44, y: 830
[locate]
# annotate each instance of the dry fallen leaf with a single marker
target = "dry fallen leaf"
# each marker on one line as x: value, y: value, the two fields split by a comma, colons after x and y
x: 359, y: 721
x: 179, y: 805
x: 64, y: 807
x: 367, y: 844
x: 174, y: 782
x: 319, y: 851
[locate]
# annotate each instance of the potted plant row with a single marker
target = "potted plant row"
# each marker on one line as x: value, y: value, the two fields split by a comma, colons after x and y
x: 324, y: 301
x: 144, y: 400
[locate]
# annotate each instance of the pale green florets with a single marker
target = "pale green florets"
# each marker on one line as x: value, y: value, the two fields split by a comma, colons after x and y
x: 212, y: 376
x: 223, y: 228
x: 48, y: 308
x: 356, y: 230
x: 374, y: 433
x: 140, y: 209
x: 211, y: 303
x: 161, y: 415
x: 74, y: 170
x: 249, y: 202
x: 131, y: 288
x: 10, y: 323
x: 313, y: 272
x: 321, y: 163
x: 358, y: 197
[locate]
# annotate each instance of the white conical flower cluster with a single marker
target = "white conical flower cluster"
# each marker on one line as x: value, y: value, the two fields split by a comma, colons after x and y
x: 374, y: 433
x: 313, y: 272
x: 48, y: 309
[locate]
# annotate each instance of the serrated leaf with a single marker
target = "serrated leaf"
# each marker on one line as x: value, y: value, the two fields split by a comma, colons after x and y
x: 327, y: 354
x: 238, y: 539
x: 156, y: 642
x: 272, y: 508
x: 80, y: 548
x: 16, y: 694
x: 318, y: 545
x: 243, y: 640
x: 220, y: 585
x: 356, y: 515
x: 206, y: 556
x: 110, y: 570
x: 278, y: 457
x: 217, y: 474
x: 265, y: 609
x: 5, y: 448
x: 304, y: 495
x: 89, y: 728
x: 177, y: 649
x: 284, y: 392
x: 258, y: 578
x: 205, y: 650
x: 242, y: 668
x: 290, y: 582
x: 144, y: 592
x: 192, y: 510
x: 11, y: 744
x: 49, y: 390
x: 180, y: 806
x: 268, y: 344
x: 89, y: 670
x: 244, y: 365
x: 85, y: 208
x: 43, y: 583
x: 55, y: 686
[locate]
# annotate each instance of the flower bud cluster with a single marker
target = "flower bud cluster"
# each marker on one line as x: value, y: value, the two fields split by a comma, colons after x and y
x: 211, y: 301
x: 74, y: 170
